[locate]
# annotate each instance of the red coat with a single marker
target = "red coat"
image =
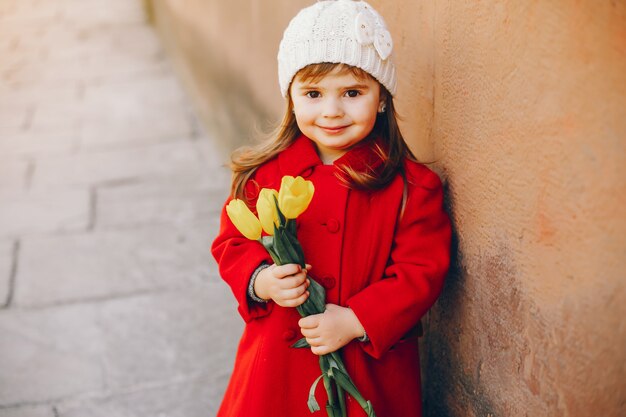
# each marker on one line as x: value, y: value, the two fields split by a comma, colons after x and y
x: 389, y: 270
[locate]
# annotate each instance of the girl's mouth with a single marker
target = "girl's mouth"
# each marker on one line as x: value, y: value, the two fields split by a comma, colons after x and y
x: 333, y: 129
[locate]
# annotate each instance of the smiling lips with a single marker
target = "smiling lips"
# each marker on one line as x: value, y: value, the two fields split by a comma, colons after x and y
x: 333, y: 129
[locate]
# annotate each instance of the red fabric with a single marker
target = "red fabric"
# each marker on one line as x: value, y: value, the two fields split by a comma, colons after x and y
x: 388, y: 269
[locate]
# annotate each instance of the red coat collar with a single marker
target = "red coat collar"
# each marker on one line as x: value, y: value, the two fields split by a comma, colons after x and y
x: 302, y: 155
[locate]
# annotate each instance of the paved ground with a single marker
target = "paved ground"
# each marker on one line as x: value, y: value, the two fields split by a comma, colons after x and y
x: 110, y: 304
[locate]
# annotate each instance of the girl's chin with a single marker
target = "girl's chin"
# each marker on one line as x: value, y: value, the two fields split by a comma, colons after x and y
x: 335, y: 150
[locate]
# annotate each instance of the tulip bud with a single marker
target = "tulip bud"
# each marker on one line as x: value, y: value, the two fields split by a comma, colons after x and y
x: 266, y: 207
x: 294, y: 196
x: 243, y: 219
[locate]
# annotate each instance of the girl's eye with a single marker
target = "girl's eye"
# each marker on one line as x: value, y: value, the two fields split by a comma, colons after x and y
x: 313, y: 94
x: 353, y: 93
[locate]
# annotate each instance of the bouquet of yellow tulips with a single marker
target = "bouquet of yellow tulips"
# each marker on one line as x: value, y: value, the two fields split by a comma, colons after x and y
x: 277, y: 212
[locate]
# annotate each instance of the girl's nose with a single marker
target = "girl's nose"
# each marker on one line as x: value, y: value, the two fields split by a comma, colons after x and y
x: 332, y: 108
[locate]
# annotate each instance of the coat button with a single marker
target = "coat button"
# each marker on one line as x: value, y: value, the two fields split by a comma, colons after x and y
x: 289, y: 335
x: 332, y: 225
x: 328, y: 282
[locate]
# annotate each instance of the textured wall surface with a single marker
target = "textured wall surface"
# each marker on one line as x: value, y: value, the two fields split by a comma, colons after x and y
x: 522, y: 107
x: 529, y: 123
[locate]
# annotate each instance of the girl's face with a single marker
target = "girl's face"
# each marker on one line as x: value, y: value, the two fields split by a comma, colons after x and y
x: 337, y: 111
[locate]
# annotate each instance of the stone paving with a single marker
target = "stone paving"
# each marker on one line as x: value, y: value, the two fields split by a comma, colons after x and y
x: 110, y: 191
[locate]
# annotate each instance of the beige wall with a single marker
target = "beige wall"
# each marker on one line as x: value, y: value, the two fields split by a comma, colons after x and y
x: 522, y: 105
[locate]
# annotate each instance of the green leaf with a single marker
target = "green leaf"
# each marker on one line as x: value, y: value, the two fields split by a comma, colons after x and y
x: 343, y: 379
x: 310, y: 306
x: 281, y: 250
x: 281, y: 216
x: 369, y: 409
x: 332, y: 363
x: 291, y: 226
x: 316, y: 303
x: 268, y: 244
x: 335, y: 407
x: 312, y: 402
x: 317, y: 296
x: 333, y: 411
x: 330, y: 393
x: 302, y: 343
x: 347, y: 384
x: 338, y: 361
x: 267, y: 241
x: 342, y: 400
x: 323, y: 359
x: 302, y: 310
x: 295, y: 244
x: 283, y: 236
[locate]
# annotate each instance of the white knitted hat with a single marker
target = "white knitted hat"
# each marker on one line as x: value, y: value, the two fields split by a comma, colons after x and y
x: 337, y: 31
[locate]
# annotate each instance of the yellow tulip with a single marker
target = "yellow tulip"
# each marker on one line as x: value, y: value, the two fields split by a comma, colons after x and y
x: 243, y: 219
x: 294, y: 196
x: 266, y: 207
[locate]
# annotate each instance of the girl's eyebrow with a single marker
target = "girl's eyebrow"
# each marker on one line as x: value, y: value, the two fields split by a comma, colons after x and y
x: 307, y: 86
x: 349, y: 87
x: 357, y: 87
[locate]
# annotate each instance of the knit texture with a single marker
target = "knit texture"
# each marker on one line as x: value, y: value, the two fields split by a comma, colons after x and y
x: 337, y: 31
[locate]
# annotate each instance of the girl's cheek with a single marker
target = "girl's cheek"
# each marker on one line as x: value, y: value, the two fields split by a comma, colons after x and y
x: 306, y: 112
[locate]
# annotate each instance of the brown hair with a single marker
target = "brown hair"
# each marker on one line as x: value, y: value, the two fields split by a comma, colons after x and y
x: 246, y: 160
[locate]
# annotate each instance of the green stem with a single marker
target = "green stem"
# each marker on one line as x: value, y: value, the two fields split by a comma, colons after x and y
x: 342, y: 401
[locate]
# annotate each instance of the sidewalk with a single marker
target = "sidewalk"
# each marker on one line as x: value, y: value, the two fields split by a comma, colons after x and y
x: 110, y: 302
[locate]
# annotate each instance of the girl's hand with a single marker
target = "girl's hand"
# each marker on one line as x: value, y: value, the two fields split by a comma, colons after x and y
x: 285, y: 284
x: 331, y: 330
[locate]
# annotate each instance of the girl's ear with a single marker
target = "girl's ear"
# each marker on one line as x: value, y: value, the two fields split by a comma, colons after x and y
x: 382, y: 107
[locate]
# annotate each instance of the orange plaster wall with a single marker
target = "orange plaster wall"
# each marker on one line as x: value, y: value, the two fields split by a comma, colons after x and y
x: 529, y: 123
x: 522, y: 107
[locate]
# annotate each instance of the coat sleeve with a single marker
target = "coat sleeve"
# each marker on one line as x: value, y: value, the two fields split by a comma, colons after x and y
x: 413, y: 278
x: 237, y: 258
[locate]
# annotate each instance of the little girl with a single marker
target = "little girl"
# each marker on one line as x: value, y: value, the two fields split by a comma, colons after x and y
x: 375, y: 234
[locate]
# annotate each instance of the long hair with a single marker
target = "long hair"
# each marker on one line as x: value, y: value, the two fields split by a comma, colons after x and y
x: 246, y: 160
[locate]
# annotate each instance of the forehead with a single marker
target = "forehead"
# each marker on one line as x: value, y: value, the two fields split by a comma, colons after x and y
x: 316, y: 73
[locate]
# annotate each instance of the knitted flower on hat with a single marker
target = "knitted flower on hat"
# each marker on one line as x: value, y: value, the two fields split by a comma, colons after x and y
x: 337, y: 31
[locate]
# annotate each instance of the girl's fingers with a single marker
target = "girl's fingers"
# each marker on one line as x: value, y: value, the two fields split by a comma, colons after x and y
x: 320, y: 350
x: 294, y: 302
x: 314, y: 341
x: 310, y: 333
x: 286, y: 270
x: 293, y: 281
x: 303, y: 297
x: 309, y: 322
x: 293, y: 293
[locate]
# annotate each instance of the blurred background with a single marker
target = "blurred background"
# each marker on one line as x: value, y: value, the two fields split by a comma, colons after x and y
x: 117, y: 116
x: 110, y: 192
